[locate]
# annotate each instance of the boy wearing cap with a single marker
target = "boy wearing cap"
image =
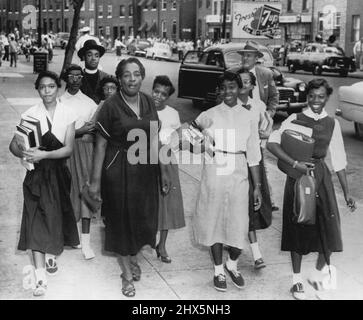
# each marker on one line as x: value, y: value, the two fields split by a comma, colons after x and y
x: 91, y: 52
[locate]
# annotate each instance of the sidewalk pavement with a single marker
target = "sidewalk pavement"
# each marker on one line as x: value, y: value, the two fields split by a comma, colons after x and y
x: 190, y: 275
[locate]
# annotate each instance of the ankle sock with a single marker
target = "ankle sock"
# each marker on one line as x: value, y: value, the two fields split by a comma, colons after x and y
x: 256, y: 251
x: 85, y: 240
x: 296, y: 278
x: 40, y: 275
x: 218, y: 270
x: 231, y: 264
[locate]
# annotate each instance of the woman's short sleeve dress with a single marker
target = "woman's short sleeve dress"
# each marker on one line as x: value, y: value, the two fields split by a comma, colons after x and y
x: 129, y: 184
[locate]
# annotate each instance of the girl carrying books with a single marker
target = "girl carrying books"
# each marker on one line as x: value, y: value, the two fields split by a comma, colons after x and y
x: 48, y: 222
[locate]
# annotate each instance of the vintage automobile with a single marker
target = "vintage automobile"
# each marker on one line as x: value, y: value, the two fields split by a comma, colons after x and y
x: 137, y: 47
x: 61, y: 39
x: 319, y: 58
x: 199, y: 72
x: 351, y: 106
x: 159, y: 51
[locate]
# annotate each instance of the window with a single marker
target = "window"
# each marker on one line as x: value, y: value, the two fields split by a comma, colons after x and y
x: 163, y: 29
x: 50, y: 24
x: 207, y: 4
x: 50, y: 7
x: 355, y: 28
x: 289, y: 5
x: 57, y: 7
x: 122, y: 11
x: 109, y: 11
x: 200, y: 3
x: 337, y: 20
x: 91, y: 5
x: 66, y: 25
x: 92, y: 26
x: 173, y: 5
x: 66, y: 5
x: 83, y: 6
x: 58, y: 28
x: 108, y: 30
x: 154, y: 6
x: 44, y: 5
x: 100, y: 11
x: 163, y: 4
x: 173, y: 29
x: 131, y: 10
x: 305, y: 5
x: 45, y: 26
x: 215, y: 7
x: 131, y: 31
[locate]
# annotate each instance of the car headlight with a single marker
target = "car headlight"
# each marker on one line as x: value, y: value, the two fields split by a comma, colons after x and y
x: 302, y: 87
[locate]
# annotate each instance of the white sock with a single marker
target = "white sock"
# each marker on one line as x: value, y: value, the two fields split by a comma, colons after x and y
x: 40, y: 275
x: 85, y: 240
x: 49, y: 256
x: 296, y: 278
x: 256, y: 251
x: 231, y: 264
x: 218, y: 270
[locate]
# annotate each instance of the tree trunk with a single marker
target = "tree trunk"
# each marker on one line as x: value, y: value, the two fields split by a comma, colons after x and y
x: 70, y: 48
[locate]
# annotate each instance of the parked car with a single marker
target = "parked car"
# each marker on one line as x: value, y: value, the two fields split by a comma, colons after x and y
x: 137, y: 47
x: 199, y: 72
x: 159, y: 51
x: 319, y: 58
x: 351, y: 105
x: 61, y: 40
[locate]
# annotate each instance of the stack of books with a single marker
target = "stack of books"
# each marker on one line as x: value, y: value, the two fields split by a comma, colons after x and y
x: 28, y: 134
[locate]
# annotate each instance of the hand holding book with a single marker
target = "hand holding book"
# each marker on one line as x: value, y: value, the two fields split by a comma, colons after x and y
x: 34, y: 155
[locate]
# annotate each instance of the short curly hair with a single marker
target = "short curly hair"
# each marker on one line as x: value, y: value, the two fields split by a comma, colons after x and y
x: 122, y: 64
x: 164, y: 81
x: 48, y: 74
x: 318, y: 83
x: 252, y: 76
x: 230, y: 76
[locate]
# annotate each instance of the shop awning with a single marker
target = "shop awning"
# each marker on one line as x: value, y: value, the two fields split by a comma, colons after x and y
x: 150, y: 2
x: 143, y: 27
x: 152, y: 27
x: 141, y: 3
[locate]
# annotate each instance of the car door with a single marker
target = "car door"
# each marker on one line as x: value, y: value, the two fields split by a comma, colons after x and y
x: 305, y: 58
x: 198, y: 75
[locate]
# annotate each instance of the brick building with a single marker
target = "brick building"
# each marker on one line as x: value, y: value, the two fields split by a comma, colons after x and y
x: 210, y: 19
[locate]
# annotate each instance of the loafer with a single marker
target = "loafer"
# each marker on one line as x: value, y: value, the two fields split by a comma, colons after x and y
x: 51, y: 266
x: 40, y: 289
x: 236, y: 277
x: 259, y: 264
x: 220, y: 283
x: 298, y: 292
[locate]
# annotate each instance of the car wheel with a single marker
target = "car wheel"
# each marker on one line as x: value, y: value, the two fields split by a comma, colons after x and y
x: 317, y: 70
x: 343, y: 73
x: 292, y: 68
x: 358, y: 127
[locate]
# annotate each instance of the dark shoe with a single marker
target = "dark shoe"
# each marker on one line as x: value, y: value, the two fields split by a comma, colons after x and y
x: 298, y: 292
x: 165, y: 259
x: 220, y: 283
x: 51, y: 266
x: 236, y: 277
x: 275, y: 208
x: 136, y: 271
x: 128, y: 289
x: 259, y: 264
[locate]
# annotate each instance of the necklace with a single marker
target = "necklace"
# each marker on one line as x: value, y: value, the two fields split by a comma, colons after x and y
x: 137, y: 112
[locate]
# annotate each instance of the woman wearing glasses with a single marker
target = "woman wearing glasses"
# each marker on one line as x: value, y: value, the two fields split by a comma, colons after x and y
x: 80, y: 162
x: 47, y: 205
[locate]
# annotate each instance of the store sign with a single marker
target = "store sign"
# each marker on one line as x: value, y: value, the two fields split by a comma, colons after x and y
x: 306, y: 19
x: 213, y: 18
x: 255, y: 20
x: 30, y: 20
x: 288, y: 19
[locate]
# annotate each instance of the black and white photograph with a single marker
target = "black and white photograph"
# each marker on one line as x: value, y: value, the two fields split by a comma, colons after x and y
x: 200, y: 151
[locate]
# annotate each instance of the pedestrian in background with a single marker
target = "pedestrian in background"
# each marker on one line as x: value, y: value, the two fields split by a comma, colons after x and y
x: 358, y: 53
x: 221, y: 216
x: 325, y: 236
x: 171, y: 209
x: 80, y: 162
x: 5, y: 41
x: 48, y: 222
x: 13, y: 50
x: 118, y: 47
x: 129, y: 189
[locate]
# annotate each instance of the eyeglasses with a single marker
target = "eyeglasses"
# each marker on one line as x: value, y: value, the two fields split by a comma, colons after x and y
x: 247, y: 82
x: 75, y: 77
x: 49, y: 86
x: 110, y: 88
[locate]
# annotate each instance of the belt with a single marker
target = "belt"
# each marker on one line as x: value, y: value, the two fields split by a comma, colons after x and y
x: 230, y: 152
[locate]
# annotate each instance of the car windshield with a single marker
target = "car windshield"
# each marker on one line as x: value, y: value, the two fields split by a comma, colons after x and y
x: 333, y: 50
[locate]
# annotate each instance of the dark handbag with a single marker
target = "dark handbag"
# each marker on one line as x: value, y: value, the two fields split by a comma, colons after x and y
x: 92, y: 204
x: 305, y: 199
x: 299, y: 147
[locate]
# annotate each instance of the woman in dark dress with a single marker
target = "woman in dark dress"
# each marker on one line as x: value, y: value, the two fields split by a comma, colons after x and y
x: 48, y: 222
x: 126, y: 170
x: 325, y: 236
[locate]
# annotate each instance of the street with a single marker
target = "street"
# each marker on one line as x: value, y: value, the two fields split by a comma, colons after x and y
x: 190, y: 274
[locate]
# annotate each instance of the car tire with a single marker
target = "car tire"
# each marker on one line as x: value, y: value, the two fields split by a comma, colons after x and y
x: 291, y: 68
x: 317, y: 70
x: 358, y: 127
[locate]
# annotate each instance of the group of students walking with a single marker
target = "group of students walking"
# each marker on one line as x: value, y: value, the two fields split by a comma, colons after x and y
x: 89, y: 139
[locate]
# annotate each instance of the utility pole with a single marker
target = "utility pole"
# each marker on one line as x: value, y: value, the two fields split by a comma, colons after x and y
x: 39, y: 23
x: 224, y: 20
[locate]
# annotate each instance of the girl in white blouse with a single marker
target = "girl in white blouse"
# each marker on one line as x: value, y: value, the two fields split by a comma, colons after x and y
x: 325, y: 236
x: 48, y: 222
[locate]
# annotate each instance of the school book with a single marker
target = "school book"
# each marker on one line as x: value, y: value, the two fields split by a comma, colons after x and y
x: 33, y: 124
x: 22, y: 139
x: 29, y: 132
